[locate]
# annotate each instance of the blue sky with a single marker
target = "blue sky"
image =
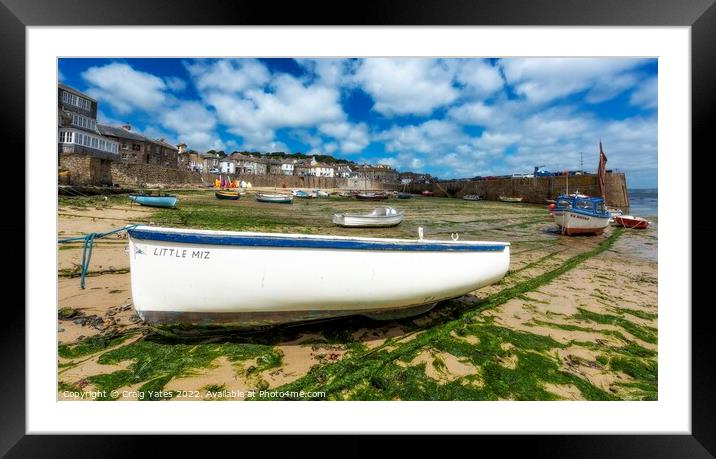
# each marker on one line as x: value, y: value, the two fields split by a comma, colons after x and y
x: 452, y: 118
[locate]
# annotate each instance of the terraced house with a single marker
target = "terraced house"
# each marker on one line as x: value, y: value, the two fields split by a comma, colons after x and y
x: 138, y: 149
x: 85, y: 155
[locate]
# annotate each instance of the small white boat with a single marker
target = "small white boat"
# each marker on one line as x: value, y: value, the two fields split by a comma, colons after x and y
x: 188, y: 276
x: 471, y: 197
x: 275, y: 198
x: 510, y: 199
x: 379, y: 217
x: 321, y: 193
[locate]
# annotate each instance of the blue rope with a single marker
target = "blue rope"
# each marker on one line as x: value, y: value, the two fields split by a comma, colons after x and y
x: 88, y: 245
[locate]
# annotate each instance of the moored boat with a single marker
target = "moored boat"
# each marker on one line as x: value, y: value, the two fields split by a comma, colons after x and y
x: 630, y: 221
x: 227, y: 195
x: 302, y: 194
x: 404, y: 195
x: 275, y: 198
x: 371, y: 196
x: 577, y: 215
x: 428, y: 193
x: 510, y: 199
x: 471, y: 197
x: 321, y: 194
x: 154, y: 201
x: 269, y: 282
x: 379, y: 217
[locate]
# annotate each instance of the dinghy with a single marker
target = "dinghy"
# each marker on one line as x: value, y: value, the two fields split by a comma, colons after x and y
x: 403, y: 195
x: 302, y: 194
x: 275, y: 198
x: 180, y: 276
x: 154, y: 201
x: 380, y: 217
x: 471, y: 197
x: 227, y: 195
x: 629, y: 221
x: 576, y: 215
x: 510, y: 199
x: 371, y: 196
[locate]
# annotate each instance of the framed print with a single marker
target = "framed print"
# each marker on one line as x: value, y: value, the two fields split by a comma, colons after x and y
x: 381, y: 224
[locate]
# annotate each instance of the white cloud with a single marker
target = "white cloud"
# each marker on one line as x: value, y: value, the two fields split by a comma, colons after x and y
x: 194, y: 125
x: 328, y: 72
x: 479, y: 77
x: 646, y: 96
x: 545, y: 79
x: 401, y: 86
x: 228, y: 75
x: 353, y: 138
x: 124, y: 88
x: 175, y: 83
x: 476, y: 113
x: 434, y: 136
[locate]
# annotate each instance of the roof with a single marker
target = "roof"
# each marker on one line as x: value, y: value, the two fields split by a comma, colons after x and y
x: 120, y: 132
x: 125, y: 134
x: 76, y: 92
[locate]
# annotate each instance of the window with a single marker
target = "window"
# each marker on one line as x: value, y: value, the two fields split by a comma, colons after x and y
x: 87, y: 141
x: 78, y: 138
x: 125, y: 146
x: 95, y: 142
x: 135, y: 147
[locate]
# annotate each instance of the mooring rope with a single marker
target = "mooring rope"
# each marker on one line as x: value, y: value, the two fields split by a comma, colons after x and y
x: 88, y: 245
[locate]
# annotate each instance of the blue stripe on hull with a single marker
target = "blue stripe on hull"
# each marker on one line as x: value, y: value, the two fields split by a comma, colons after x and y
x: 270, y: 241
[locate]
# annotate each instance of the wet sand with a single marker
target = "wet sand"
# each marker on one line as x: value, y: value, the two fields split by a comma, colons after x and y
x: 592, y: 327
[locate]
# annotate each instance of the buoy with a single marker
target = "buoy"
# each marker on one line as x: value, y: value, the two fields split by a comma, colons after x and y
x: 552, y: 206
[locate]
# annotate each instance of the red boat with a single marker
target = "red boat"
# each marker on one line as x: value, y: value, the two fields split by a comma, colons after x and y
x: 428, y: 193
x: 629, y: 221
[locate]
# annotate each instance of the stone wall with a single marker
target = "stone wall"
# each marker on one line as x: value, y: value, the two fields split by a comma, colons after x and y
x: 82, y: 169
x: 295, y: 181
x: 153, y: 176
x: 535, y: 190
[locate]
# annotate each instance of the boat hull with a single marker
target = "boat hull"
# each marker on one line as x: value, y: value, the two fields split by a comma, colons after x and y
x: 628, y: 221
x: 226, y: 196
x: 268, y: 282
x: 367, y: 222
x: 376, y: 197
x: 508, y: 199
x: 154, y: 201
x: 572, y: 223
x: 275, y: 199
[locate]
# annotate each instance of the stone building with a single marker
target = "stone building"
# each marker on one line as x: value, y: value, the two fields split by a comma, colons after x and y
x: 138, y: 149
x: 85, y: 155
x: 380, y: 173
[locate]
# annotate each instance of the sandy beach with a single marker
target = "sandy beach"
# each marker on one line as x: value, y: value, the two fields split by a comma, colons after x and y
x: 575, y: 318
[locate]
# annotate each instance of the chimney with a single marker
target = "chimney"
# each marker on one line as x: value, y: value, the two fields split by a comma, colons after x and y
x: 127, y: 127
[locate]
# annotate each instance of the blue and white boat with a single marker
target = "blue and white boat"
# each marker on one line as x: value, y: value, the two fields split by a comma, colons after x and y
x: 302, y: 194
x: 154, y: 201
x: 268, y: 282
x: 580, y: 214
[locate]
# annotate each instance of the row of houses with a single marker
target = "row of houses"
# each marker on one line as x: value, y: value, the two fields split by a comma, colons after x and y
x: 79, y: 133
x: 242, y: 164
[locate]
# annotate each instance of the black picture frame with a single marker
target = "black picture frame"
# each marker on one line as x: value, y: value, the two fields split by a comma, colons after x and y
x: 700, y: 15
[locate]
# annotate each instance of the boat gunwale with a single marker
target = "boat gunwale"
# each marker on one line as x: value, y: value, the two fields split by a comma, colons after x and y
x: 250, y: 239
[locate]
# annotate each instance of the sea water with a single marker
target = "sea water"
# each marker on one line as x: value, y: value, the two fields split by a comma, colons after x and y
x: 644, y: 202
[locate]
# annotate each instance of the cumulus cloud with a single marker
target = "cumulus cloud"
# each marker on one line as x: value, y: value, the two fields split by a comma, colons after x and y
x: 125, y: 88
x: 407, y: 86
x: 194, y: 124
x: 544, y: 79
x: 480, y: 78
x: 228, y: 75
x: 646, y: 95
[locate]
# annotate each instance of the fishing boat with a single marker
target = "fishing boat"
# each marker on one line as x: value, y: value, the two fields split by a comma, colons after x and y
x: 379, y: 217
x: 268, y: 282
x: 302, y: 194
x: 510, y: 199
x: 371, y: 196
x: 275, y: 198
x: 471, y: 197
x: 576, y: 215
x: 630, y: 221
x: 428, y: 193
x: 321, y: 193
x: 227, y: 195
x: 154, y: 201
x: 345, y: 194
x: 404, y: 195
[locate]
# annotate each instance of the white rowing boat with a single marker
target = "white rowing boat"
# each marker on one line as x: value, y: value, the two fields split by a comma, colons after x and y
x: 379, y: 217
x: 246, y: 279
x: 275, y: 198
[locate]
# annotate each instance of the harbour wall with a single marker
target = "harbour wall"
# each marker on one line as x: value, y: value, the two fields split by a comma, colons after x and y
x: 85, y: 170
x: 534, y: 190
